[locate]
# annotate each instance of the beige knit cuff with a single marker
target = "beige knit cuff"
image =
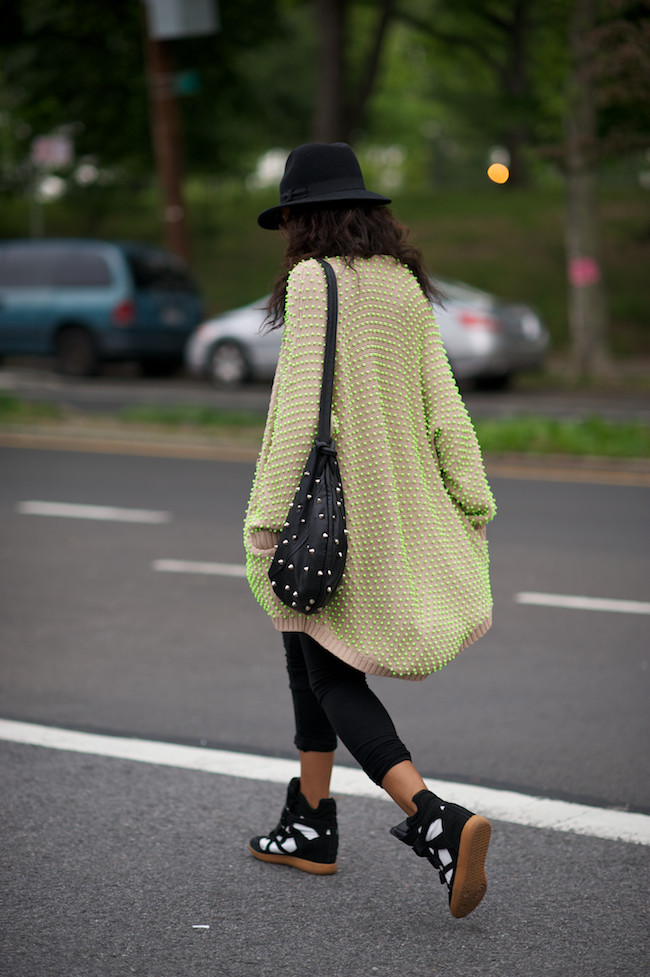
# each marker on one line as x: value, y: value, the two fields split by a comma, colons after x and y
x: 262, y: 542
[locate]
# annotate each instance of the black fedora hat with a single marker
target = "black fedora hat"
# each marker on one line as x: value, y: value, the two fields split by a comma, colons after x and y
x: 319, y: 173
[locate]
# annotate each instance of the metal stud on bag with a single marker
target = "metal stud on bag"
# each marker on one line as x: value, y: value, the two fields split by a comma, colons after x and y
x: 311, y: 568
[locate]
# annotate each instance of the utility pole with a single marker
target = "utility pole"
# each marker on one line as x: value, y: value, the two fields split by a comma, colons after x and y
x: 167, y: 142
x: 165, y: 21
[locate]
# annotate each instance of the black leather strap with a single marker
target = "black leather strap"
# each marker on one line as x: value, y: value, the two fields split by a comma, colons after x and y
x: 325, y: 414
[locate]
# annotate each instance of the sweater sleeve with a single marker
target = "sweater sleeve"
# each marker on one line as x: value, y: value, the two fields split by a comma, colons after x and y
x: 292, y: 420
x: 452, y: 433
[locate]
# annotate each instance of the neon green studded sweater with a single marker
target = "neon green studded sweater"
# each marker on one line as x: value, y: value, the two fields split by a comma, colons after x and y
x: 416, y: 588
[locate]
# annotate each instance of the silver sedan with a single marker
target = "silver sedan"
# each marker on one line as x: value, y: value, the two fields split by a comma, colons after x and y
x: 487, y: 341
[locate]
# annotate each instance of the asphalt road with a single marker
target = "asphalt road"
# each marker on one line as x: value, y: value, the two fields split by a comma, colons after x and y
x: 110, y: 864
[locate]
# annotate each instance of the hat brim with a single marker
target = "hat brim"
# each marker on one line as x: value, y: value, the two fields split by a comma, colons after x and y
x: 271, y: 219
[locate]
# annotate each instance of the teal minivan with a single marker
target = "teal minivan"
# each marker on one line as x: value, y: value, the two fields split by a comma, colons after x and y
x: 86, y: 302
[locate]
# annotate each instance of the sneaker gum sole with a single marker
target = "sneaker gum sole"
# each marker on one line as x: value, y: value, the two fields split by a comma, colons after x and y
x: 314, y: 868
x: 469, y: 884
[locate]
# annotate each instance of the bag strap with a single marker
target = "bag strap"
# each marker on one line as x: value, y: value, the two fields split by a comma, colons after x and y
x: 325, y: 414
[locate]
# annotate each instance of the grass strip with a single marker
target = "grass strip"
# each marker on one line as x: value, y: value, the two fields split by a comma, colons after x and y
x: 193, y: 415
x: 528, y: 434
x: 23, y: 411
x: 543, y: 435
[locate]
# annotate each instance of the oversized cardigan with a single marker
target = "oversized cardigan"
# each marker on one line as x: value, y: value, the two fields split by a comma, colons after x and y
x: 416, y: 588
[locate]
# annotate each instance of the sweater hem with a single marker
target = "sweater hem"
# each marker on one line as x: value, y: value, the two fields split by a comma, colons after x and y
x: 363, y: 662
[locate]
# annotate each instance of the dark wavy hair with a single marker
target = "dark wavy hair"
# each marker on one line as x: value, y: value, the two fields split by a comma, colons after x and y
x: 350, y: 232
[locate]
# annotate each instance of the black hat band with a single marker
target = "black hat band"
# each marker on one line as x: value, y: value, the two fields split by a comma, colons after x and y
x: 321, y: 187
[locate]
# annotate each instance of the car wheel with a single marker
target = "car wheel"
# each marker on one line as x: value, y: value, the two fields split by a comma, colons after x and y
x: 228, y: 365
x: 76, y: 353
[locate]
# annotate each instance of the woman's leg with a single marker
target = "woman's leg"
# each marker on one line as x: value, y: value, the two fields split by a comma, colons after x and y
x: 315, y: 738
x: 361, y: 722
x: 452, y: 838
x: 306, y: 837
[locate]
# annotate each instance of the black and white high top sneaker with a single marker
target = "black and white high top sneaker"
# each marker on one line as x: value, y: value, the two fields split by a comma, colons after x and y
x: 304, y: 838
x: 455, y: 841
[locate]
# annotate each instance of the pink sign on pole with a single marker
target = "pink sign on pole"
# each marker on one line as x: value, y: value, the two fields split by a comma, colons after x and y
x: 583, y: 271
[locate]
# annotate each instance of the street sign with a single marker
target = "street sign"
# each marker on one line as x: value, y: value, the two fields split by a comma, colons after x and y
x: 172, y: 19
x: 51, y: 152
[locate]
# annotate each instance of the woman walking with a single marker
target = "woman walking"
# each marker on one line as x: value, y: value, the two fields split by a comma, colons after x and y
x: 416, y: 588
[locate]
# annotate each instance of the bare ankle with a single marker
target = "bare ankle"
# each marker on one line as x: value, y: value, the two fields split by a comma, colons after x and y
x: 313, y: 799
x: 402, y: 782
x: 315, y: 773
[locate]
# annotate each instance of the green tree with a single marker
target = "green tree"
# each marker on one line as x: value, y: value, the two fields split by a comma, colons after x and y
x: 484, y: 53
x: 348, y: 64
x: 620, y: 69
x: 81, y: 65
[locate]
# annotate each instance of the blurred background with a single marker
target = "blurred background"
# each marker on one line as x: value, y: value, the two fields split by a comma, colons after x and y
x: 512, y: 135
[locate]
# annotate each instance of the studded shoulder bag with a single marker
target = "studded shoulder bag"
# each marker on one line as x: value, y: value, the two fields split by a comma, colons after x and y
x: 310, y: 557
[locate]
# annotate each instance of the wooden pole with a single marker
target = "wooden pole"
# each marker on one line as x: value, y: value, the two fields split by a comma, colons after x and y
x: 166, y: 135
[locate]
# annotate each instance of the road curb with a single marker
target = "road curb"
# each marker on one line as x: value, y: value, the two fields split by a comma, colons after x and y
x: 570, y: 468
x: 567, y: 468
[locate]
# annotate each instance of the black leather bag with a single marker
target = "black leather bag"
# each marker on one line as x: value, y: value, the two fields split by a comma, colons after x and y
x: 310, y: 557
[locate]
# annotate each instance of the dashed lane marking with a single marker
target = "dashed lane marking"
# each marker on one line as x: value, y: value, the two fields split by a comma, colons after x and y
x: 502, y: 805
x: 576, y: 603
x: 541, y: 600
x: 103, y: 513
x: 195, y: 566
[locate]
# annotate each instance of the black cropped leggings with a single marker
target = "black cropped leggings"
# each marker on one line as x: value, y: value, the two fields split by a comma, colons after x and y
x: 330, y: 699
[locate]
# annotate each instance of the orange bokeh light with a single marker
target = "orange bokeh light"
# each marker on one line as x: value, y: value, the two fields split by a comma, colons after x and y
x: 498, y: 172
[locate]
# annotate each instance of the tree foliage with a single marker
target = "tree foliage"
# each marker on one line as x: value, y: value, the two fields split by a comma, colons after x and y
x: 432, y: 76
x: 621, y: 72
x: 81, y: 65
x: 493, y: 42
x: 351, y: 44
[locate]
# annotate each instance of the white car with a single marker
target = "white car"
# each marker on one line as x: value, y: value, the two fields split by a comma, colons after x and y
x: 486, y: 340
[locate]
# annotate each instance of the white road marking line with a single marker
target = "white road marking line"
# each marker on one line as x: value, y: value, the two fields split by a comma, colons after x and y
x: 502, y: 805
x: 194, y: 566
x: 528, y: 597
x: 103, y: 513
x: 584, y: 603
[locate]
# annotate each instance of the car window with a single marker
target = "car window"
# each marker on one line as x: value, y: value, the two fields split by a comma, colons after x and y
x: 160, y: 273
x: 82, y: 269
x: 27, y: 267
